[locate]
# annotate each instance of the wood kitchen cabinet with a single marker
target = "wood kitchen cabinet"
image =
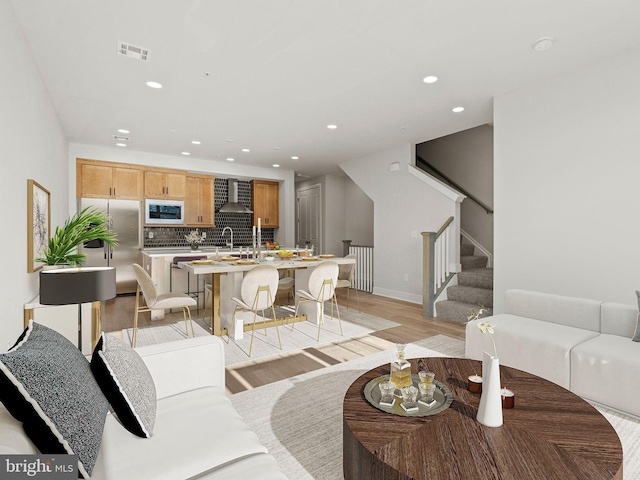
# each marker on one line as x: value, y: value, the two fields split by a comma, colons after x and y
x: 199, y: 201
x: 264, y: 203
x: 164, y: 184
x: 96, y: 179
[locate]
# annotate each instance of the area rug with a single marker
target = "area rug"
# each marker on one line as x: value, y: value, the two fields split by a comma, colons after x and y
x: 309, y: 446
x: 303, y: 335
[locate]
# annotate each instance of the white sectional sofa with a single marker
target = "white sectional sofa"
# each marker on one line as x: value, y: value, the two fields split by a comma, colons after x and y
x: 582, y: 345
x: 197, y: 434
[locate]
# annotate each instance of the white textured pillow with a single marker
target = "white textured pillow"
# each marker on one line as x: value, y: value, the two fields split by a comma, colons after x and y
x: 636, y: 335
x: 126, y: 382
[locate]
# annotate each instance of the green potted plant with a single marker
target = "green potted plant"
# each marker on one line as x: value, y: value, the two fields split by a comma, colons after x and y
x: 85, y: 226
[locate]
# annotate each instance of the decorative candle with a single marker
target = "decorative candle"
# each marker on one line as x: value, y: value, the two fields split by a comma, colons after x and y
x: 259, y: 224
x: 475, y: 384
x: 508, y: 398
x: 254, y: 230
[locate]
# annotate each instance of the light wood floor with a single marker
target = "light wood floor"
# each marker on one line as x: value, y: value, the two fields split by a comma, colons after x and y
x: 118, y: 314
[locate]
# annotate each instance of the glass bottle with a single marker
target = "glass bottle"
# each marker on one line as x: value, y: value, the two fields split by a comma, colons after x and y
x: 400, y: 369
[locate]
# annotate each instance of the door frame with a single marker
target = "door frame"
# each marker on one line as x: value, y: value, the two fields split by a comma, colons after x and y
x: 320, y: 246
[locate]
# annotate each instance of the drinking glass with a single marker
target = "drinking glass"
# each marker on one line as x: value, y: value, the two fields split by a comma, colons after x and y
x: 426, y: 377
x: 409, y: 396
x: 386, y: 391
x: 426, y: 392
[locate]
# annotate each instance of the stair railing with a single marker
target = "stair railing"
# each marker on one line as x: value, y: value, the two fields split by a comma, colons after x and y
x: 427, y: 167
x: 436, y: 270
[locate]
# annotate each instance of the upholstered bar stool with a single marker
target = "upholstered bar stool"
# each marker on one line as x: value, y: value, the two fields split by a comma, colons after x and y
x: 257, y: 293
x: 154, y: 301
x: 322, y: 283
x: 345, y: 278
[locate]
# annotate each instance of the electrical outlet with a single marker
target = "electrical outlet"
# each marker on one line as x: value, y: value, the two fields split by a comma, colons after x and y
x: 150, y: 234
x: 406, y: 277
x: 204, y: 234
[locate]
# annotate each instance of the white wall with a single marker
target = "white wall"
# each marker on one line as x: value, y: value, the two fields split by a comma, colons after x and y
x: 334, y: 215
x: 466, y: 158
x: 285, y: 235
x: 403, y: 206
x: 567, y: 200
x: 33, y: 146
x: 358, y: 214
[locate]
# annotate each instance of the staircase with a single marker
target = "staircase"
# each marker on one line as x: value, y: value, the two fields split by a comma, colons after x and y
x: 475, y: 288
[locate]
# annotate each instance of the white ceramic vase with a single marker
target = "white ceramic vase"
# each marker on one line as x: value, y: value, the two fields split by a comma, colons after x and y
x: 490, y: 409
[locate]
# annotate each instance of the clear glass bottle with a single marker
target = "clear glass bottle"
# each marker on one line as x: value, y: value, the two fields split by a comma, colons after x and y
x: 400, y: 369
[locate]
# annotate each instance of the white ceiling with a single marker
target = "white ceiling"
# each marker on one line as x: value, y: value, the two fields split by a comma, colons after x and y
x: 282, y: 70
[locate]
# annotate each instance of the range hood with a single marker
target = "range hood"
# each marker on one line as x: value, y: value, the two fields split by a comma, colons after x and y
x: 232, y: 205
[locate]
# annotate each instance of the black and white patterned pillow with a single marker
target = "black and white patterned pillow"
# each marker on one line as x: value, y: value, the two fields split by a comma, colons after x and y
x: 636, y: 335
x: 127, y: 384
x: 46, y: 383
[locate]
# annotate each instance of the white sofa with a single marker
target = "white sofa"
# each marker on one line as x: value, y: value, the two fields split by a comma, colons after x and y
x: 197, y: 434
x: 582, y: 345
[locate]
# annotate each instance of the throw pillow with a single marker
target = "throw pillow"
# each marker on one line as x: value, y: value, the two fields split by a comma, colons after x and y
x: 636, y: 335
x: 127, y: 384
x: 46, y: 383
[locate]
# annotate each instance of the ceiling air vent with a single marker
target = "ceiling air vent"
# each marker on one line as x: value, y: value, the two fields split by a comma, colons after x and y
x: 120, y: 138
x: 132, y: 51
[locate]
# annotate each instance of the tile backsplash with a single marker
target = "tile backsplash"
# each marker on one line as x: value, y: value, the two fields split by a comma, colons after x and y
x: 240, y: 223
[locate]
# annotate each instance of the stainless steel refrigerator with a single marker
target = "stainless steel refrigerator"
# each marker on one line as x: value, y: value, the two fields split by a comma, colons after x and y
x: 124, y: 219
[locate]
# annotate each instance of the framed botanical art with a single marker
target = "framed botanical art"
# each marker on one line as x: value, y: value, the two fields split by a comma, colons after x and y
x: 38, y: 223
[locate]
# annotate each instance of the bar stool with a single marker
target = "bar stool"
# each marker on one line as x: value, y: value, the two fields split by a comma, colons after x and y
x: 256, y: 295
x: 154, y: 301
x: 322, y: 283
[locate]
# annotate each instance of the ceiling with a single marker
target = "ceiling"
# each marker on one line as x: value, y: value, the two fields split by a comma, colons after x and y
x: 270, y: 75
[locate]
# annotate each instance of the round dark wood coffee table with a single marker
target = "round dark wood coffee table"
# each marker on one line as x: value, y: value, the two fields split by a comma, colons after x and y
x: 550, y: 434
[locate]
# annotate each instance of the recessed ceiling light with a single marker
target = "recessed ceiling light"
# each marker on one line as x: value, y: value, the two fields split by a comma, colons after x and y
x: 186, y: 153
x: 121, y: 144
x: 544, y: 43
x: 154, y: 85
x: 332, y: 127
x: 196, y: 142
x: 246, y: 150
x: 457, y: 109
x: 276, y: 165
x: 430, y: 79
x: 122, y: 130
x: 231, y: 159
x: 295, y: 158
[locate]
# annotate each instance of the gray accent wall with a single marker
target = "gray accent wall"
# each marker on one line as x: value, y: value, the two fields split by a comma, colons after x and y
x: 466, y: 158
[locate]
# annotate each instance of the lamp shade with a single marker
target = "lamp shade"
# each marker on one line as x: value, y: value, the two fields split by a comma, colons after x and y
x: 65, y: 286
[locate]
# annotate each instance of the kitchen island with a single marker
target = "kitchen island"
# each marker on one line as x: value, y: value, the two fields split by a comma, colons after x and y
x: 227, y: 281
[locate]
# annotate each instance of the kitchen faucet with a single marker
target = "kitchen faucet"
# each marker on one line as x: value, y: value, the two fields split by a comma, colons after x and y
x: 230, y: 230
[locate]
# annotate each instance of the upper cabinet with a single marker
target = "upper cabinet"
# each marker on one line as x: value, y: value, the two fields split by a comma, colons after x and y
x: 199, y: 203
x: 108, y: 180
x: 164, y: 184
x: 264, y: 203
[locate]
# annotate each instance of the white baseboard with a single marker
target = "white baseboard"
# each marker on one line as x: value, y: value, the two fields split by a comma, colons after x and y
x: 407, y: 297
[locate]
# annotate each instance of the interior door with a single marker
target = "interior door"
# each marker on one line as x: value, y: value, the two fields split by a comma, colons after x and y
x: 309, y: 215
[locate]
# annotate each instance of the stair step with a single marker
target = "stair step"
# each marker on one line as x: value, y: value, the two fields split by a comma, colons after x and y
x: 466, y: 249
x: 470, y: 295
x: 473, y: 261
x: 476, y: 277
x: 456, y: 311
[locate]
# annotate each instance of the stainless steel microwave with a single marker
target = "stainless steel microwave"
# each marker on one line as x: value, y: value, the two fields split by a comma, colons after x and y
x: 164, y: 212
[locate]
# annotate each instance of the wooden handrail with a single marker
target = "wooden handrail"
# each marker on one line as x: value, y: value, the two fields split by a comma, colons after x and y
x: 453, y: 184
x: 444, y: 227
